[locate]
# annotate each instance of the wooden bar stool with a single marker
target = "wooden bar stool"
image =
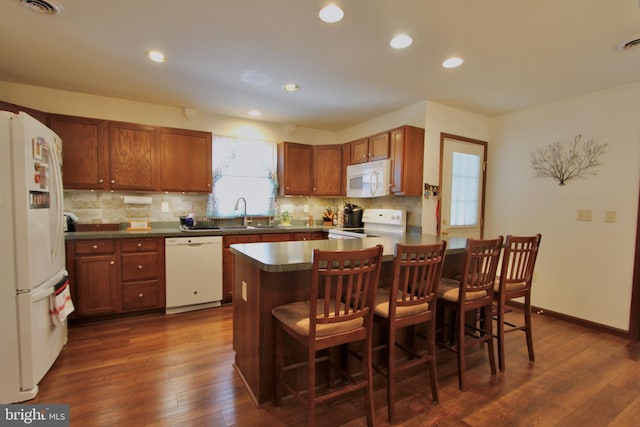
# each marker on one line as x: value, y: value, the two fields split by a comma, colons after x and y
x: 410, y: 300
x: 516, y: 274
x: 339, y: 312
x: 472, y: 294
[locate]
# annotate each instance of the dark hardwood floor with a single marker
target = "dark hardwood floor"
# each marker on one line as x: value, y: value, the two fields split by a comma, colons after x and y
x: 177, y: 370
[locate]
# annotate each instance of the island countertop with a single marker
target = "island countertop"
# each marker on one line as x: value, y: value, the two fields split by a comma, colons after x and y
x: 295, y: 256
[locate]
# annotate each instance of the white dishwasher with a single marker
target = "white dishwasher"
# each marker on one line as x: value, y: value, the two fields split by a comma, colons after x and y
x: 193, y: 272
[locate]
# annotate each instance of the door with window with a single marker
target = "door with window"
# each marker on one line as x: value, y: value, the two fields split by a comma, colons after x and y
x: 462, y: 181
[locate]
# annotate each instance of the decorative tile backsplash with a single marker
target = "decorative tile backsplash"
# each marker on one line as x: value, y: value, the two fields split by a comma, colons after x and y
x: 106, y: 207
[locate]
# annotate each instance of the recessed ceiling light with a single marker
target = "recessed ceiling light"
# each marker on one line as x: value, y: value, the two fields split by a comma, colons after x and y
x: 452, y: 62
x: 331, y: 14
x: 155, y: 56
x: 254, y: 113
x: 291, y: 87
x: 401, y: 41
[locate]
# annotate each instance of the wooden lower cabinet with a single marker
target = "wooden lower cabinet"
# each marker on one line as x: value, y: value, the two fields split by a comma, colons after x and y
x: 227, y: 256
x: 94, y: 272
x: 112, y: 276
x: 142, y: 273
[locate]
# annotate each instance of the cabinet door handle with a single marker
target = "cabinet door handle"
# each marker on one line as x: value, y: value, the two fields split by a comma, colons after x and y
x: 195, y: 292
x: 140, y: 267
x: 139, y: 245
x: 140, y: 295
x: 100, y: 181
x: 95, y: 246
x: 112, y: 262
x: 113, y: 181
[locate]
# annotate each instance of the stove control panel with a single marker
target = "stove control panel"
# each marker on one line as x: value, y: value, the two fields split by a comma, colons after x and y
x: 397, y: 217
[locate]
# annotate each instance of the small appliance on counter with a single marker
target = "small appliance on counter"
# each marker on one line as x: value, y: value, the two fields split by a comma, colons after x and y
x: 352, y: 216
x: 70, y: 221
x: 193, y: 223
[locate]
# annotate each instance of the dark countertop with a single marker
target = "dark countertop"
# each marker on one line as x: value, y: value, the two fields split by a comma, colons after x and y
x: 295, y: 256
x: 167, y: 230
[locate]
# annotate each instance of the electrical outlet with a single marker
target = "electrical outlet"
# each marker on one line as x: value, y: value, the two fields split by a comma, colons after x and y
x: 165, y: 207
x: 244, y: 291
x: 610, y: 216
x: 585, y: 215
x: 306, y: 208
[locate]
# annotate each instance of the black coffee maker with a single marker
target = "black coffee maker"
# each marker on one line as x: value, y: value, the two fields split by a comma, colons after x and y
x: 352, y: 216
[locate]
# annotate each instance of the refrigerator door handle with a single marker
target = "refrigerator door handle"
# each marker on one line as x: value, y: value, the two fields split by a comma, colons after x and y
x: 59, y: 210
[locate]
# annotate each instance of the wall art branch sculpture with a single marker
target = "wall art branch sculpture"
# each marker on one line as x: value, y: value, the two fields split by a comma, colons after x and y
x: 566, y: 161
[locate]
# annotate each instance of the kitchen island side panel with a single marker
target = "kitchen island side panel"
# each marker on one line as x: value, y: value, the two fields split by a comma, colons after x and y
x: 253, y: 324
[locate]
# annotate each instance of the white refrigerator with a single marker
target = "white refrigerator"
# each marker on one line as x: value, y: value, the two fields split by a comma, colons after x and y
x: 32, y: 255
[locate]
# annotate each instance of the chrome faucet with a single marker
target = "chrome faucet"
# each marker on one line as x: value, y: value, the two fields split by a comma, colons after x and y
x: 245, y: 220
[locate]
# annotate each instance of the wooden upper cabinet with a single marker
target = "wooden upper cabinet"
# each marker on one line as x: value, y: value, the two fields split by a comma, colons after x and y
x: 132, y: 157
x: 84, y: 151
x: 185, y: 160
x: 40, y: 116
x: 346, y: 161
x: 369, y: 149
x: 407, y: 152
x: 379, y: 146
x: 360, y: 151
x: 295, y: 169
x: 327, y: 170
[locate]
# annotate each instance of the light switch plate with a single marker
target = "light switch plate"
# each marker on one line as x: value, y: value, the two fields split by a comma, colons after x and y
x: 165, y: 206
x: 610, y: 217
x: 244, y: 291
x: 585, y: 215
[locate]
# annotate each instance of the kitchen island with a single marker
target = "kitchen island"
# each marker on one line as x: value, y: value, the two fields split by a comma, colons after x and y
x: 271, y: 274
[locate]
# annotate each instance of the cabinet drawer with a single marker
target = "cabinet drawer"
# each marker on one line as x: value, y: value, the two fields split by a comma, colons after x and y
x: 139, y: 267
x: 247, y: 238
x: 312, y: 235
x: 140, y: 295
x: 276, y: 237
x: 87, y: 247
x: 139, y: 245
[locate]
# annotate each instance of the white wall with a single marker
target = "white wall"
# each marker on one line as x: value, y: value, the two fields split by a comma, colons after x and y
x: 412, y: 115
x: 439, y: 119
x: 83, y: 105
x: 585, y: 268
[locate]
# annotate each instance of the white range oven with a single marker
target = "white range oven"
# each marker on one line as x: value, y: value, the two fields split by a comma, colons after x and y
x: 376, y: 222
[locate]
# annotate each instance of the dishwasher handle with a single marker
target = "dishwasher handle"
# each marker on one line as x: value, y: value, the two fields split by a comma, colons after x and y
x: 191, y: 242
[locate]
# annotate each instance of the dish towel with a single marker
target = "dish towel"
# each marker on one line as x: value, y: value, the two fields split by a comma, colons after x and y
x: 60, y: 304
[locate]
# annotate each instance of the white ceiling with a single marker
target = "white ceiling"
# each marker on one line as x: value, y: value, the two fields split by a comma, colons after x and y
x: 517, y: 53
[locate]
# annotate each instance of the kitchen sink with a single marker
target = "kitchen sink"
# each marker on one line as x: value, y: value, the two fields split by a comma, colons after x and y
x: 196, y: 228
x: 250, y: 227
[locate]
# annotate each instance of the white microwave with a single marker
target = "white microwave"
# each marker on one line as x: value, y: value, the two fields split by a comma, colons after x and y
x: 371, y: 179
